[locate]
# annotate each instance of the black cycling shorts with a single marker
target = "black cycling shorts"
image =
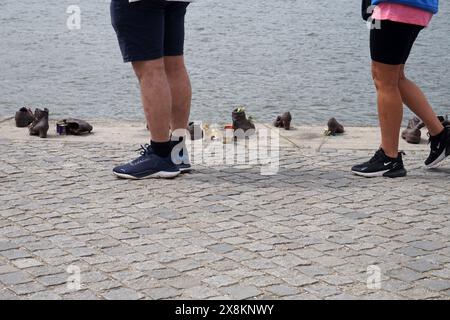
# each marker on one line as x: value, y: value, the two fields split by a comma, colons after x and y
x: 392, y: 43
x: 149, y: 30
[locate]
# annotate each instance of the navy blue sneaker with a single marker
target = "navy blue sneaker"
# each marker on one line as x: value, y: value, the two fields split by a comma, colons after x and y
x: 148, y: 165
x: 185, y: 166
x: 182, y: 161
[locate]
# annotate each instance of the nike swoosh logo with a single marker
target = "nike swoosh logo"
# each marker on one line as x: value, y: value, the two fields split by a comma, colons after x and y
x: 386, y: 164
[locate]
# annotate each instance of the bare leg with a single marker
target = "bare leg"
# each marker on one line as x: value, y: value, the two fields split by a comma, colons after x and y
x: 156, y: 97
x: 414, y: 98
x: 180, y: 87
x: 390, y: 106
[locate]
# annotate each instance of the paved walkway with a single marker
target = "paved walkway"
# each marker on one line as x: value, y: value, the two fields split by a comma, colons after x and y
x: 313, y: 231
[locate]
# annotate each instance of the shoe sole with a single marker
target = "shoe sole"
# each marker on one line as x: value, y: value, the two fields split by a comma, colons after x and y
x: 157, y: 175
x: 189, y: 170
x: 441, y: 158
x: 386, y: 174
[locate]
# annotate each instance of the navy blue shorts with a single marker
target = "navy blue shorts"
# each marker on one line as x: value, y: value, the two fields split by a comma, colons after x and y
x: 149, y: 29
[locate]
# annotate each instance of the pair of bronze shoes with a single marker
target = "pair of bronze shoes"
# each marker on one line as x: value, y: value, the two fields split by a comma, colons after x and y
x: 413, y: 134
x: 283, y: 121
x: 36, y: 122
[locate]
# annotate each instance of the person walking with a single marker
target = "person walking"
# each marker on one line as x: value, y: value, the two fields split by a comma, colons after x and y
x: 400, y: 22
x: 151, y: 36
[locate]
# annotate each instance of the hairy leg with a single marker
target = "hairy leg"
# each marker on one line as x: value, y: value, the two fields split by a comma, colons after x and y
x: 414, y: 98
x: 181, y: 91
x: 156, y: 97
x: 390, y: 105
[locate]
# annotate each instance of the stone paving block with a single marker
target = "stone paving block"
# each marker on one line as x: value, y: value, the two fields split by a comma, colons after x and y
x: 422, y: 265
x: 122, y: 294
x: 185, y: 265
x: 314, y: 271
x: 220, y: 281
x: 419, y: 293
x: 336, y: 280
x: 162, y: 274
x: 427, y: 245
x: 55, y: 279
x: 15, y: 254
x: 322, y: 290
x: 282, y: 290
x: 27, y: 288
x: 290, y: 261
x: 183, y: 282
x: 8, y: 245
x: 222, y: 248
x: 299, y: 280
x: 104, y: 285
x: 14, y: 278
x: 6, y: 294
x: 435, y: 284
x: 45, y: 296
x: 81, y: 295
x: 406, y: 275
x: 7, y: 269
x: 26, y: 263
x: 162, y: 293
x: 239, y: 292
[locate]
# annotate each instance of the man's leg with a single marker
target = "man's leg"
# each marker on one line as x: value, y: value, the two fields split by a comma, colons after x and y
x: 140, y: 31
x: 156, y: 97
x: 178, y: 79
x: 181, y: 91
x: 180, y: 86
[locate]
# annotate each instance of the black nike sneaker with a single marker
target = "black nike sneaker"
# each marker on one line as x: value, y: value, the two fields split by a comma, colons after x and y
x: 440, y: 148
x: 381, y: 166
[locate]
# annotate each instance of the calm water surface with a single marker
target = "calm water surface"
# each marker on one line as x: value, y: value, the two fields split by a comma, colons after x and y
x: 307, y: 56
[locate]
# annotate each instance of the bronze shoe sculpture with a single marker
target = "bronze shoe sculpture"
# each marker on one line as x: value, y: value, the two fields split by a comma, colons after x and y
x: 24, y: 117
x: 196, y: 131
x: 283, y: 121
x: 240, y: 120
x: 412, y: 133
x: 72, y: 126
x: 334, y: 127
x: 39, y: 127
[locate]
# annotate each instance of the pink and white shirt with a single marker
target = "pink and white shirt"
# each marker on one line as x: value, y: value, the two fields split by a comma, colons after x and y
x: 402, y: 13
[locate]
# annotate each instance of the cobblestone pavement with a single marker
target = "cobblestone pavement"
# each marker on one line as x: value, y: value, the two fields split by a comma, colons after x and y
x: 313, y: 231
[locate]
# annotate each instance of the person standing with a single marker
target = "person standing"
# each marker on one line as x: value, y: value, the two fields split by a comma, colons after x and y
x: 151, y: 36
x: 400, y: 23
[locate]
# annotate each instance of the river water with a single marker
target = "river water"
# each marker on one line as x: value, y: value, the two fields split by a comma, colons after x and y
x: 307, y: 56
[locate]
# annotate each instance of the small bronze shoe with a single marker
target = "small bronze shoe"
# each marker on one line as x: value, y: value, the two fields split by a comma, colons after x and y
x: 334, y: 127
x: 412, y: 133
x: 24, y: 117
x: 240, y: 120
x: 40, y: 126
